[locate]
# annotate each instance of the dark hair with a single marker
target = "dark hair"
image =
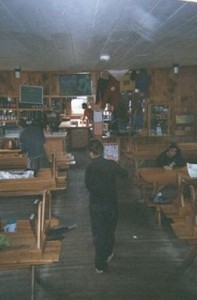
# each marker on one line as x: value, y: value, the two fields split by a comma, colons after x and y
x: 84, y: 105
x: 174, y: 146
x: 96, y: 147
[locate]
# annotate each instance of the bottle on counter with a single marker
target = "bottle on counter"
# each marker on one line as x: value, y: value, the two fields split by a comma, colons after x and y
x: 10, y: 144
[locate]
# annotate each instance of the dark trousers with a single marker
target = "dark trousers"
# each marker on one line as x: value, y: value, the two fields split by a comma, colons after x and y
x: 35, y: 163
x: 103, y: 224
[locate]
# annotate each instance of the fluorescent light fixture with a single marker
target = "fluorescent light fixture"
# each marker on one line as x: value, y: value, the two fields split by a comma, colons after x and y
x: 105, y: 57
x: 189, y: 1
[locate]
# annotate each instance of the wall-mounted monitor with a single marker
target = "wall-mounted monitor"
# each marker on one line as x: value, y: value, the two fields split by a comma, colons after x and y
x: 75, y: 84
x: 30, y: 94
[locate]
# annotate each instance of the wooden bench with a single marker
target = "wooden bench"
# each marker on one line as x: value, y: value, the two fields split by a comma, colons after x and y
x: 181, y: 206
x: 140, y: 154
x: 47, y: 178
x: 160, y: 178
x: 28, y: 245
x: 187, y: 230
x: 8, y: 162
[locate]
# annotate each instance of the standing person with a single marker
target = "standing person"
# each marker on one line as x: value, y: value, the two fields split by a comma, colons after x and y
x: 88, y: 113
x: 31, y: 140
x: 100, y: 180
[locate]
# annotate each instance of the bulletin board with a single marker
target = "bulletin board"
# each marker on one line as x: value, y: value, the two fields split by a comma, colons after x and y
x: 75, y: 84
x: 111, y: 151
x: 31, y: 94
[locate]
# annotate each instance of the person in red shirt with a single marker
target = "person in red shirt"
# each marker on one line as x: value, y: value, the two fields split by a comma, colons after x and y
x: 88, y: 113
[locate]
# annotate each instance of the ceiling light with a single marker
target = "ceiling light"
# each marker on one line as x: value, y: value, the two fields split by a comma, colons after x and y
x: 17, y: 71
x: 189, y: 1
x: 105, y: 57
x: 176, y: 68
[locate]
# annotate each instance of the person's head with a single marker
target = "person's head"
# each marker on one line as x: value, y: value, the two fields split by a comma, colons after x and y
x: 84, y: 105
x: 173, y: 150
x: 22, y: 123
x: 95, y: 148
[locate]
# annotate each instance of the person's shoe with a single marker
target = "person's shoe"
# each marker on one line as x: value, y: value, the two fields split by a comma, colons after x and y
x: 99, y: 271
x: 110, y: 257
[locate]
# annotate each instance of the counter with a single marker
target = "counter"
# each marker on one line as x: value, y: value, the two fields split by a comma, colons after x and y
x: 78, y: 135
x: 55, y: 143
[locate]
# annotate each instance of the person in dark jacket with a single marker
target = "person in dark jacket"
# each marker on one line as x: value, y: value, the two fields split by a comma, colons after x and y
x: 171, y: 157
x: 31, y: 140
x: 100, y: 180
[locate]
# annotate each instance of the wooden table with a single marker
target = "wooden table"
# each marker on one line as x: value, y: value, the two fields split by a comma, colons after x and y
x: 45, y: 179
x: 160, y: 178
x: 150, y: 152
x: 28, y: 245
x: 137, y: 158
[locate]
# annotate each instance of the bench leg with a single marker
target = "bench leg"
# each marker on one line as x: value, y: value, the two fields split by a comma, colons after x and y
x: 158, y: 215
x: 32, y: 282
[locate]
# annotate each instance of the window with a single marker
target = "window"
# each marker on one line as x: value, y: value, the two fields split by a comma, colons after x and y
x: 76, y: 105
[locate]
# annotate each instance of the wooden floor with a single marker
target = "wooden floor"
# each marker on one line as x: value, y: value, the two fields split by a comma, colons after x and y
x: 147, y: 262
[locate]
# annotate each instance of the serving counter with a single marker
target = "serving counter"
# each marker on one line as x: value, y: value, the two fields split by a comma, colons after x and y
x: 78, y: 135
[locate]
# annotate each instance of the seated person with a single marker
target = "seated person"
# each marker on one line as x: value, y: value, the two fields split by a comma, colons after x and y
x: 171, y: 157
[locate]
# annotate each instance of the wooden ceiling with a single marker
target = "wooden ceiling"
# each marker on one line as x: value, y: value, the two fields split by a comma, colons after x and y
x: 71, y: 35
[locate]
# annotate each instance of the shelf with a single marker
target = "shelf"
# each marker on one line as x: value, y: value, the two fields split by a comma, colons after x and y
x: 158, y: 119
x: 11, y: 105
x: 184, y: 124
x: 9, y: 108
x: 7, y: 121
x: 30, y: 109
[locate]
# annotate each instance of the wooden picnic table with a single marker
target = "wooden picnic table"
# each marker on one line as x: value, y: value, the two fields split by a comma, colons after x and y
x: 28, y: 245
x: 46, y: 178
x: 160, y: 177
x: 185, y: 227
x: 142, y: 153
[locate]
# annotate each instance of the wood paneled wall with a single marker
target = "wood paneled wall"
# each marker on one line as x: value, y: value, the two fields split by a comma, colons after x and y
x: 9, y: 85
x: 179, y: 90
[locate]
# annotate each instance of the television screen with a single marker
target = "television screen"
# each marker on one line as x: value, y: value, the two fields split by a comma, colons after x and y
x: 75, y: 84
x: 31, y: 94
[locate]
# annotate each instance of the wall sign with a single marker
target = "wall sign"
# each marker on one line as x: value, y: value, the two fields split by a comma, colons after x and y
x: 111, y: 151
